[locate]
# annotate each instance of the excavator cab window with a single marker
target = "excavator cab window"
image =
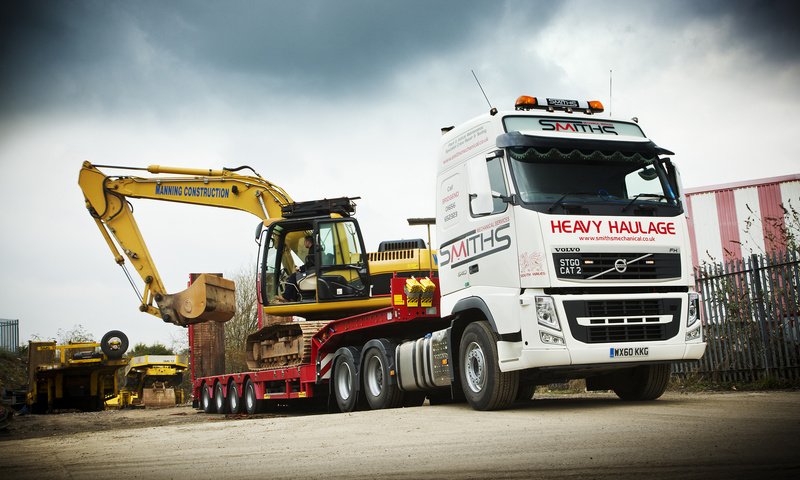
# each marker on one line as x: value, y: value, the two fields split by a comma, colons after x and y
x: 342, y: 267
x: 313, y: 261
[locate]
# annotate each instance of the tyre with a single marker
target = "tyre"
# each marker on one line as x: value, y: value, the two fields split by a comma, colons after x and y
x: 234, y: 401
x: 485, y: 386
x: 380, y: 393
x: 219, y: 398
x: 205, y: 399
x: 646, y: 382
x: 114, y: 344
x: 249, y: 399
x: 525, y: 393
x: 345, y: 383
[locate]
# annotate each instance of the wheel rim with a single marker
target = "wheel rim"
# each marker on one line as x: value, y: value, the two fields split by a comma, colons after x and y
x: 219, y: 399
x: 475, y: 367
x: 375, y: 376
x: 205, y: 398
x: 250, y: 398
x: 234, y: 398
x: 344, y: 383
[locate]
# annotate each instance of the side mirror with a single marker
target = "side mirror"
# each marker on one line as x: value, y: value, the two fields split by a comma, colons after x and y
x: 259, y: 228
x: 648, y: 174
x: 480, y: 191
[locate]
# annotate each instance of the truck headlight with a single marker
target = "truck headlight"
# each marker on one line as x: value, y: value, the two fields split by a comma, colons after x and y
x: 694, y: 334
x: 546, y: 313
x: 551, y: 339
x: 694, y: 309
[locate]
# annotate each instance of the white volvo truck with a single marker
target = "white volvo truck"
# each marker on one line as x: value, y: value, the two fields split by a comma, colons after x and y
x: 564, y: 253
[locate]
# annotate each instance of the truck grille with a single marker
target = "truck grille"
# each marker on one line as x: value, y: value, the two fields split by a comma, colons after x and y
x: 627, y: 320
x: 617, y: 266
x: 626, y: 333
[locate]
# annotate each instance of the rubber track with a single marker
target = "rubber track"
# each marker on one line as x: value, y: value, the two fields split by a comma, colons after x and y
x: 308, y: 329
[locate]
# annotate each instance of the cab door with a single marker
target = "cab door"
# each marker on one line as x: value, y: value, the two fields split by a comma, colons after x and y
x: 343, y: 271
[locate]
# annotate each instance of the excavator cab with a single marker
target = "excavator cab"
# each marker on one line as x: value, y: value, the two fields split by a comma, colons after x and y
x: 313, y: 262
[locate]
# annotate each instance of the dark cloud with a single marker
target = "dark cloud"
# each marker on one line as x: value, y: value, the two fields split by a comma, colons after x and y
x: 117, y: 54
x: 768, y: 26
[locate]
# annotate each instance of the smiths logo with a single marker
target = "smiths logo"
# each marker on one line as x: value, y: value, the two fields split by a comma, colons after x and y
x: 474, y: 245
x: 578, y: 126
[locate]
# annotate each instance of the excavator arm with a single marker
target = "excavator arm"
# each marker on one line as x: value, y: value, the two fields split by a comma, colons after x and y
x: 210, y: 297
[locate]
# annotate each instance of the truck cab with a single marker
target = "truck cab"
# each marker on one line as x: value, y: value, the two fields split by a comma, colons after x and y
x: 567, y: 234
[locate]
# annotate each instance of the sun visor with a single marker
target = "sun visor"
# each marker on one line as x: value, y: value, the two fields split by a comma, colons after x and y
x: 645, y: 148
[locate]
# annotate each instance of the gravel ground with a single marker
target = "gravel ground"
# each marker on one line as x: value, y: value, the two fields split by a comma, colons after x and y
x: 686, y: 436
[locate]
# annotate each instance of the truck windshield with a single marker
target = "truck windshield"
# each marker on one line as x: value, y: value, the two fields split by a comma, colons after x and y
x: 596, y: 183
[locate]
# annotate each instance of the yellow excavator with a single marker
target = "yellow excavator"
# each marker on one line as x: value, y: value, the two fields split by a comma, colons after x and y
x: 311, y: 263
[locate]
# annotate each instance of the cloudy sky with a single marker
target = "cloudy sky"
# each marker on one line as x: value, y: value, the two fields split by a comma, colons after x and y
x: 332, y: 98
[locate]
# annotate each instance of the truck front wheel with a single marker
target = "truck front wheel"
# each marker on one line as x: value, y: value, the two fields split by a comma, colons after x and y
x: 484, y: 385
x: 645, y: 382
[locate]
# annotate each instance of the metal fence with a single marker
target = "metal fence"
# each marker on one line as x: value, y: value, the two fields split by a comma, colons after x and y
x: 751, y: 310
x: 9, y: 335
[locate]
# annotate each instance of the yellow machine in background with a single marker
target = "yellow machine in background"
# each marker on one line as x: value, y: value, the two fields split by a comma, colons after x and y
x: 152, y: 381
x: 78, y: 376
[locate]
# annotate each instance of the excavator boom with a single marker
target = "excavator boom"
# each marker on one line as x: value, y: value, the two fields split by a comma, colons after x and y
x: 210, y: 298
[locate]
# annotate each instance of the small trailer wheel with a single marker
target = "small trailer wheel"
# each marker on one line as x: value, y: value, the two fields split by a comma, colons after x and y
x: 234, y: 402
x: 250, y: 400
x: 219, y: 398
x: 205, y: 399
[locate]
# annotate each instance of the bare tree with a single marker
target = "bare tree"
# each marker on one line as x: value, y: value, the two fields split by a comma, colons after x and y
x: 78, y: 334
x: 244, y: 322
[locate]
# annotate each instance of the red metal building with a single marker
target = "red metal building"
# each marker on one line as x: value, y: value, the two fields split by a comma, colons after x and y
x: 729, y: 221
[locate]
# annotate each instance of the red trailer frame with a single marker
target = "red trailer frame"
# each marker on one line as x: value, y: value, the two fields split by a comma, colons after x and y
x: 300, y: 381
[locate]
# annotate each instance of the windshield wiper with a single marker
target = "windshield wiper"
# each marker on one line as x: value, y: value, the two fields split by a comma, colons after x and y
x: 644, y: 195
x: 561, y: 199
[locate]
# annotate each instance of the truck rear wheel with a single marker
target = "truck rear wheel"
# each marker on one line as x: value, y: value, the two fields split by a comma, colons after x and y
x: 379, y: 391
x: 484, y: 385
x: 344, y: 383
x: 219, y: 398
x: 646, y: 382
x: 250, y: 399
x: 234, y: 402
x: 205, y: 400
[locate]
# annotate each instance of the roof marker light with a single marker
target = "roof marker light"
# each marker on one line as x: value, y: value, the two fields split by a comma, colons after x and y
x: 596, y: 106
x: 524, y: 102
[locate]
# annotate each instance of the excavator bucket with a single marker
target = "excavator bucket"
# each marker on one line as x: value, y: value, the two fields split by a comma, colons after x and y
x: 160, y: 395
x: 209, y: 298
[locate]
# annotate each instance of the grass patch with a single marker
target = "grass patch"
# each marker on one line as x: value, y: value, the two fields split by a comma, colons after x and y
x: 694, y: 382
